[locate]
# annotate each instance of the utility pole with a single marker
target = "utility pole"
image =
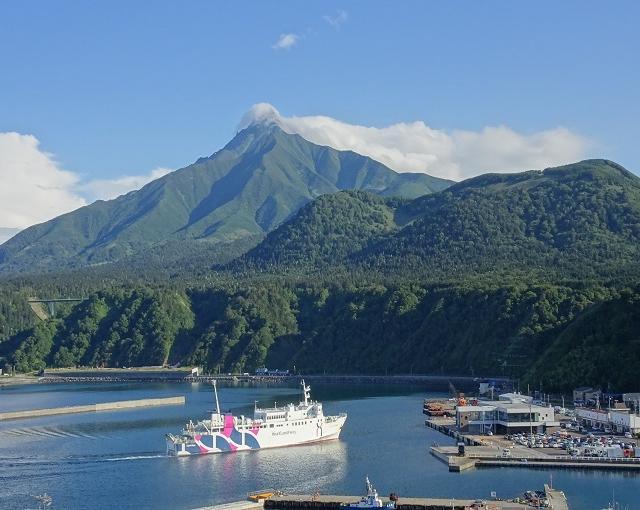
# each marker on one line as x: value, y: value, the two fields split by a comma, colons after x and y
x: 530, y: 421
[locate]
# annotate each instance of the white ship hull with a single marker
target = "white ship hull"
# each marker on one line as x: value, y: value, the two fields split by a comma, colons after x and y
x: 271, y: 428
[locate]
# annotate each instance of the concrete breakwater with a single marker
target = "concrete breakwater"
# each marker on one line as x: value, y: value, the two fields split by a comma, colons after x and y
x: 151, y: 374
x: 89, y: 408
x: 445, y: 428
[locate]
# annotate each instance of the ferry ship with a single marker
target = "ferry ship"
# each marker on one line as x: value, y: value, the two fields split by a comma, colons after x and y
x: 273, y: 427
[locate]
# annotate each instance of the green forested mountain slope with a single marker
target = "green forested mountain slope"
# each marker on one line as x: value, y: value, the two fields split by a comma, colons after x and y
x: 324, y: 232
x: 553, y: 335
x: 581, y: 220
x: 601, y: 347
x: 232, y: 198
x: 530, y: 275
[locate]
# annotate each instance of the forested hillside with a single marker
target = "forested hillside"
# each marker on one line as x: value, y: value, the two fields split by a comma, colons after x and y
x: 554, y: 335
x: 530, y: 275
x: 581, y: 221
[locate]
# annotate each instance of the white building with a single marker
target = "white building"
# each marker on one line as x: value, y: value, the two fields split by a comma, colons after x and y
x: 609, y: 420
x: 511, y: 413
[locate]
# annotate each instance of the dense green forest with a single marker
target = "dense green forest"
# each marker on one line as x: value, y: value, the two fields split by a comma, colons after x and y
x: 542, y: 334
x: 530, y: 275
x: 576, y: 222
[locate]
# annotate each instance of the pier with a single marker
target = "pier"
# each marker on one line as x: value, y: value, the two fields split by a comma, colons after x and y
x: 90, y: 408
x: 557, y: 501
x: 490, y: 456
x: 333, y: 502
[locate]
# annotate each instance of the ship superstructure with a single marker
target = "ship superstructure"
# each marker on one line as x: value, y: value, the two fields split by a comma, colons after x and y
x: 287, y: 425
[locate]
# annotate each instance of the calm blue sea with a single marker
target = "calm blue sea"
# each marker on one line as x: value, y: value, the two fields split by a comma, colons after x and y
x: 117, y: 459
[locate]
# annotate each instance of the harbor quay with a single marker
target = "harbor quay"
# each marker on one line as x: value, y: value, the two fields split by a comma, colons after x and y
x: 514, y: 431
x: 334, y: 502
x: 553, y: 499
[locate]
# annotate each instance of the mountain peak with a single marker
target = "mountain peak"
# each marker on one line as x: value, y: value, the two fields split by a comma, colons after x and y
x: 225, y: 202
x: 260, y: 114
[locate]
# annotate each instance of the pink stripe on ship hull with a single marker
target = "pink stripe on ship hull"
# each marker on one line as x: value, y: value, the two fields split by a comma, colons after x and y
x: 228, y: 425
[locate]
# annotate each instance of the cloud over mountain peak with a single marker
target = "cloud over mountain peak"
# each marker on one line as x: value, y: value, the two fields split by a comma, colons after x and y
x: 417, y: 147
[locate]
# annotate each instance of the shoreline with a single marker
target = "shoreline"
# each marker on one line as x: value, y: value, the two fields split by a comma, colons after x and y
x: 18, y: 380
x: 149, y: 374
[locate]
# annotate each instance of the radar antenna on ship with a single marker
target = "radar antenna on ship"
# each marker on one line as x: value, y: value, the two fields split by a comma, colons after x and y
x: 306, y: 390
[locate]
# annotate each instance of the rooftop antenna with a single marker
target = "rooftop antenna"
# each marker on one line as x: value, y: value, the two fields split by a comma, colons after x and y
x: 215, y: 391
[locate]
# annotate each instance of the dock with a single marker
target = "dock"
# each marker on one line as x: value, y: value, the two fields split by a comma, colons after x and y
x: 333, y: 502
x: 279, y: 501
x: 90, y: 408
x: 490, y: 456
x: 557, y: 499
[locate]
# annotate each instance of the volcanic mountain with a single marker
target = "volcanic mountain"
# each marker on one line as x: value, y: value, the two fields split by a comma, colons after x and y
x: 225, y: 203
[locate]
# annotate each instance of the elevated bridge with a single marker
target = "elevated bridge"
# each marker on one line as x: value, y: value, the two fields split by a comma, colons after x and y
x: 38, y: 303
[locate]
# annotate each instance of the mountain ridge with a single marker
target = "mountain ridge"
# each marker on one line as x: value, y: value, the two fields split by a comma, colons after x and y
x: 583, y: 216
x: 241, y: 192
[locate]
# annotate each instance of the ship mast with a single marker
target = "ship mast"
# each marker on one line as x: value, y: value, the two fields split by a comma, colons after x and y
x: 215, y: 391
x: 305, y: 391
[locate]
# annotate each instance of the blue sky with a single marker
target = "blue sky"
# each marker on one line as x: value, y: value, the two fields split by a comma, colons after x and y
x: 120, y: 88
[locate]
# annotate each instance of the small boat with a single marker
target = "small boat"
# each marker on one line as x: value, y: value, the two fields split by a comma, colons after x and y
x: 371, y: 500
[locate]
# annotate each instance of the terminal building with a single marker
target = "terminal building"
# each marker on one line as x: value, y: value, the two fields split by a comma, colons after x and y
x: 512, y: 413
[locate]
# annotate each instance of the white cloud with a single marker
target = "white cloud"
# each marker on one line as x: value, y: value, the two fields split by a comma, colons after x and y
x: 106, y: 189
x: 336, y: 21
x: 416, y: 147
x: 34, y: 188
x: 286, y: 41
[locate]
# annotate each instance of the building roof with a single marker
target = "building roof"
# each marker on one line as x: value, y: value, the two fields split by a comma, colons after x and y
x: 470, y: 409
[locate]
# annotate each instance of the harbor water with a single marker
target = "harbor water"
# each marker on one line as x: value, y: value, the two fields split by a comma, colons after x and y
x: 116, y: 459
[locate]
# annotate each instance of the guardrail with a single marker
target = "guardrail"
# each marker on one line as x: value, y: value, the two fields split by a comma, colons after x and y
x: 562, y: 458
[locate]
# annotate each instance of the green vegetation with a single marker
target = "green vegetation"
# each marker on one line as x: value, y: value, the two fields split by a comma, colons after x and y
x: 214, y: 209
x: 558, y: 335
x: 600, y: 347
x: 324, y: 232
x: 580, y: 222
x: 116, y: 328
x: 530, y: 275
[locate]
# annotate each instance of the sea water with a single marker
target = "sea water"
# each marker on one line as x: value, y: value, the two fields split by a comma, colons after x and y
x: 116, y: 459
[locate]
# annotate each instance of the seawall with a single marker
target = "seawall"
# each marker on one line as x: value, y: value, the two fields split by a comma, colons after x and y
x: 89, y: 408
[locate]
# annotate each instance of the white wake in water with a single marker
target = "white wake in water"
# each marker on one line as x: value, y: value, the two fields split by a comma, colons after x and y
x: 136, y: 457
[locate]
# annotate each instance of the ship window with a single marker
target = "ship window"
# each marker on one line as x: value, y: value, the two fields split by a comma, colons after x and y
x: 271, y: 425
